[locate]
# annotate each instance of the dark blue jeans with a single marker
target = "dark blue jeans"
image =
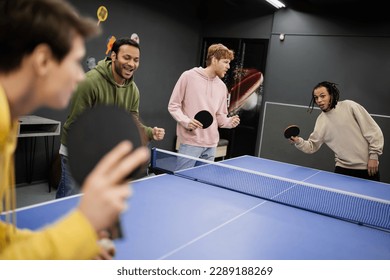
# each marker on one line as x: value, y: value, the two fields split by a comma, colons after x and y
x: 194, y: 151
x: 67, y: 186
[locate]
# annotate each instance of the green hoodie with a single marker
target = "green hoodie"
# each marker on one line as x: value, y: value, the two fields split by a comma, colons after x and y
x: 99, y: 88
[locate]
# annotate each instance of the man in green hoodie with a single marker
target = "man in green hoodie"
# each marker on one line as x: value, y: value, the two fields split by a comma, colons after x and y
x: 111, y: 82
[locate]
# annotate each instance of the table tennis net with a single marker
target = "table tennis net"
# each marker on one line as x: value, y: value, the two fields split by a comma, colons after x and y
x: 360, y: 209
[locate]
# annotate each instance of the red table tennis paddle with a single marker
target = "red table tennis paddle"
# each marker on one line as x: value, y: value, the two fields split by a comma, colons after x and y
x: 291, y: 131
x: 96, y: 132
x: 205, y: 118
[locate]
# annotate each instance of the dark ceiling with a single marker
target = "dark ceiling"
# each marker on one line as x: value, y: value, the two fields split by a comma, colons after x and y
x: 222, y: 9
x: 348, y: 9
x: 234, y: 8
x: 215, y: 10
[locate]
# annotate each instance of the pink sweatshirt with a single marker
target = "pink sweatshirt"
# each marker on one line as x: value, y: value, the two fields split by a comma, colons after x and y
x: 193, y: 92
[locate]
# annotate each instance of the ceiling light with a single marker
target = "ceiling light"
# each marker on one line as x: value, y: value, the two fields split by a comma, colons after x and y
x: 276, y: 3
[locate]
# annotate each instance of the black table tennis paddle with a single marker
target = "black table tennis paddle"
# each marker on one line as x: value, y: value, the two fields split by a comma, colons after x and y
x: 96, y: 132
x: 291, y: 131
x: 205, y: 118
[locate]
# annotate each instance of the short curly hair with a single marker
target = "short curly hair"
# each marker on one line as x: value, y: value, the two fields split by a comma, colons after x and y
x: 333, y: 91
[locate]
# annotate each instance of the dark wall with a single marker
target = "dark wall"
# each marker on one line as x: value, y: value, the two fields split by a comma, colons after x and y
x: 170, y: 43
x: 351, y: 53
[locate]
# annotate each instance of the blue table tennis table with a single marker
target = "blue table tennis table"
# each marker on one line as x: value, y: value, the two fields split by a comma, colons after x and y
x: 171, y: 217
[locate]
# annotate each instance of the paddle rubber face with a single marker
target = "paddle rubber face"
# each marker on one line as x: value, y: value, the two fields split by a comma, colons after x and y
x: 205, y: 118
x: 96, y: 132
x: 291, y: 131
x: 93, y: 134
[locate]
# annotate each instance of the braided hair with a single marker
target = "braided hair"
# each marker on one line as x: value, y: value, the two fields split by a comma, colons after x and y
x: 333, y: 91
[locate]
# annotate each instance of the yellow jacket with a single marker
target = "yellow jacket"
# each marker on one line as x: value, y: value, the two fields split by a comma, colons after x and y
x: 71, y: 237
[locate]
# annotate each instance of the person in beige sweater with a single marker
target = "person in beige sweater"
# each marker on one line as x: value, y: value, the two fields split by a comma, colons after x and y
x: 346, y: 128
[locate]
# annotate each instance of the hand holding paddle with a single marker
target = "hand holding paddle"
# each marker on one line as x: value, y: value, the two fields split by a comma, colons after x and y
x: 105, y: 193
x: 205, y: 118
x: 100, y: 146
x: 202, y: 119
x: 291, y: 131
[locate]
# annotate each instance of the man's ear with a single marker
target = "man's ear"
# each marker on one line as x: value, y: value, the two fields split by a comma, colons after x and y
x: 214, y: 60
x: 113, y: 56
x: 42, y: 57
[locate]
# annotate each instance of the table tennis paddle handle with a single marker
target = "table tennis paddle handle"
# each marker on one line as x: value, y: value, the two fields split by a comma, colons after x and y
x: 116, y: 230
